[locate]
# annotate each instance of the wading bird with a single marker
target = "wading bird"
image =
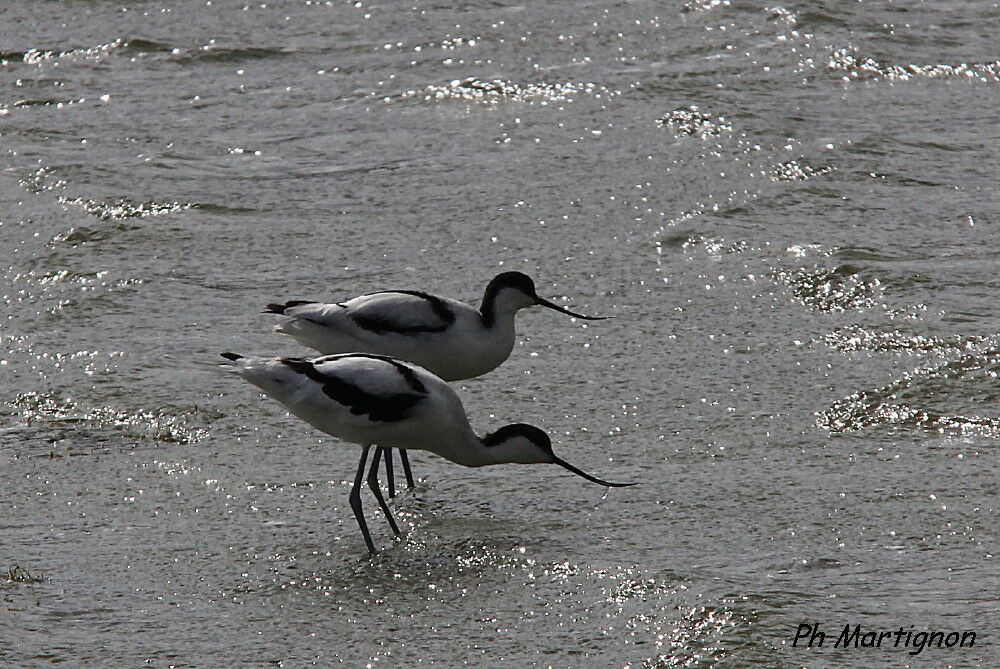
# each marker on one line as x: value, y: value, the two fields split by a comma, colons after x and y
x: 449, y: 338
x: 371, y: 399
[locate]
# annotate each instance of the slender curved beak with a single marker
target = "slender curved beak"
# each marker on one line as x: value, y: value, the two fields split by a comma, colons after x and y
x: 579, y: 472
x: 545, y: 303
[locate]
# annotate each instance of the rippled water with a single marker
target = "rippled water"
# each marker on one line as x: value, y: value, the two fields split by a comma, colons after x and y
x: 792, y: 211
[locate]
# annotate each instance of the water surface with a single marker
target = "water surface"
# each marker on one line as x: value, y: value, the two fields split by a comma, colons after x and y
x: 791, y: 210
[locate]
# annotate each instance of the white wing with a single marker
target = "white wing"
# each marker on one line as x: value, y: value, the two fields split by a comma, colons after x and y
x: 375, y: 388
x: 402, y: 312
x: 356, y: 390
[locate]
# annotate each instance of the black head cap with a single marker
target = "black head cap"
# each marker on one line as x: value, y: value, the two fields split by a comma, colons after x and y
x: 524, y: 284
x: 529, y: 432
x: 517, y: 280
x: 541, y: 441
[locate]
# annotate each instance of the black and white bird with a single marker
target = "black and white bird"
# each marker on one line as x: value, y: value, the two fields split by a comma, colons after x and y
x: 449, y: 338
x: 370, y: 399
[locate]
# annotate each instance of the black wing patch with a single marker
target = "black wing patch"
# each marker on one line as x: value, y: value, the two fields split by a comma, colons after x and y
x: 383, y: 324
x: 379, y: 408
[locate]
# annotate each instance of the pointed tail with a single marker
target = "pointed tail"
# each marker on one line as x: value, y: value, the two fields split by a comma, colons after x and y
x: 234, y: 362
x: 276, y: 308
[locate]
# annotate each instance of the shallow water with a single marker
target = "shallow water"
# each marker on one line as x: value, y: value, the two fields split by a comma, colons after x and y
x: 791, y: 210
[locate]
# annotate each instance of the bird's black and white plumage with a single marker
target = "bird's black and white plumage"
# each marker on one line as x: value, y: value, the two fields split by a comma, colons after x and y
x: 371, y: 399
x: 450, y: 338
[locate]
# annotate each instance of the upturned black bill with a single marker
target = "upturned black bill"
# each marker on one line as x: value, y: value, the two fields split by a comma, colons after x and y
x: 545, y: 303
x: 580, y: 472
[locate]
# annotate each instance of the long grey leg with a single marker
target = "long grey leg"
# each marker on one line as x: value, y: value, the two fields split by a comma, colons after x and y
x: 390, y: 480
x: 406, y: 468
x: 356, y: 499
x: 373, y: 484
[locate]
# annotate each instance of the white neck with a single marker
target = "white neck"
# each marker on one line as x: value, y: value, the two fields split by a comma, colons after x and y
x: 500, y: 307
x: 503, y: 321
x: 470, y: 451
x: 475, y: 453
